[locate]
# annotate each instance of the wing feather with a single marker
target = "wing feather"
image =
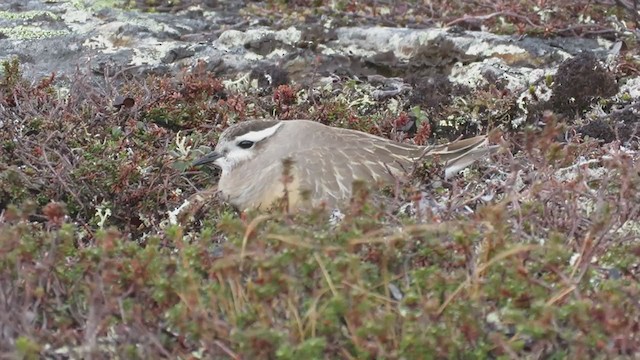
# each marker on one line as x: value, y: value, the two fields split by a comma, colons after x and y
x: 328, y: 160
x: 459, y: 154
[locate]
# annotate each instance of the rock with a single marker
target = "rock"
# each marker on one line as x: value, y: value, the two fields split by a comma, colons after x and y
x: 431, y: 67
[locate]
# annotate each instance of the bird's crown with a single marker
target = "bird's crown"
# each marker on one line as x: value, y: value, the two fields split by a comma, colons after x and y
x: 251, y: 128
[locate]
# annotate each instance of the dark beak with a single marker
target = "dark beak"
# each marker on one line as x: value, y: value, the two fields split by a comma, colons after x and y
x: 208, y: 158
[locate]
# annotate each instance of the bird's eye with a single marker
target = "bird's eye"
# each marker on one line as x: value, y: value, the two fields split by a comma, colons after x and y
x: 245, y: 144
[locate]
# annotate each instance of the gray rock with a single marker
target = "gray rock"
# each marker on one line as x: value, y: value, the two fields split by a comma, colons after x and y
x: 65, y: 37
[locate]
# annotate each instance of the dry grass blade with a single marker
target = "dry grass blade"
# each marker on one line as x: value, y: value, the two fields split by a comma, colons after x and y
x: 505, y: 254
x: 560, y: 295
x: 383, y: 299
x: 379, y: 236
x: 482, y: 268
x: 291, y: 240
x: 312, y: 314
x: 586, y: 243
x: 234, y: 260
x: 296, y: 316
x: 226, y: 350
x: 325, y: 273
x: 248, y: 232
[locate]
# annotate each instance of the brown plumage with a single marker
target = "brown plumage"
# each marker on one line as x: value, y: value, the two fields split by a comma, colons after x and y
x: 325, y: 161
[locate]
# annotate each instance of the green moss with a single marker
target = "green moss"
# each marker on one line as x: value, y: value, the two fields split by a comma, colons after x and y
x: 27, y: 348
x: 309, y: 349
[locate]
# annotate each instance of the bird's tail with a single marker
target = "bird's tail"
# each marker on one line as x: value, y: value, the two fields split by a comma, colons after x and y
x: 459, y: 154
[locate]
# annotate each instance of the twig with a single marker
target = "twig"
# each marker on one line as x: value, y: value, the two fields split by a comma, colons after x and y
x: 492, y: 15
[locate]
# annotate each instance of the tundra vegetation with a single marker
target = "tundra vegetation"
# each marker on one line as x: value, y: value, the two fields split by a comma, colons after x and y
x: 532, y: 254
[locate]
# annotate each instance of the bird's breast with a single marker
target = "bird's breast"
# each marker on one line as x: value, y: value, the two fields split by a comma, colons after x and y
x: 249, y: 188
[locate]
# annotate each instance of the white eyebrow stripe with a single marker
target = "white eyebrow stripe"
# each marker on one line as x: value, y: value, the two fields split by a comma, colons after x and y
x: 256, y: 136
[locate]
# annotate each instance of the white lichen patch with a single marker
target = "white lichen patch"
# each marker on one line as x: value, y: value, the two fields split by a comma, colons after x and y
x: 631, y: 88
x: 537, y: 89
x: 100, y: 42
x: 370, y: 41
x: 233, y: 39
x: 482, y: 48
x: 146, y: 51
x: 173, y: 214
x: 30, y: 32
x: 473, y: 75
x: 79, y: 15
x: 149, y: 23
x: 76, y: 18
x: 604, y: 43
x: 150, y: 52
x: 629, y: 227
x: 325, y: 50
x: 94, y: 4
x: 243, y: 84
x: 26, y: 15
x: 584, y: 167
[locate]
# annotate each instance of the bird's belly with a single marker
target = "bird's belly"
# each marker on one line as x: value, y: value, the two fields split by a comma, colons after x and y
x: 251, y: 191
x: 246, y: 190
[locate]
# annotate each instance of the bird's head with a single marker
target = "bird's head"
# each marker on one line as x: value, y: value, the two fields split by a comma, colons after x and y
x: 240, y: 143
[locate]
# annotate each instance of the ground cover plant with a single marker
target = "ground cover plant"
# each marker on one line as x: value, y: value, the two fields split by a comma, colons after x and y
x: 113, y: 245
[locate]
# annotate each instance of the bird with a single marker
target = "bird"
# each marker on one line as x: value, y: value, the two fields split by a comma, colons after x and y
x: 323, y: 162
